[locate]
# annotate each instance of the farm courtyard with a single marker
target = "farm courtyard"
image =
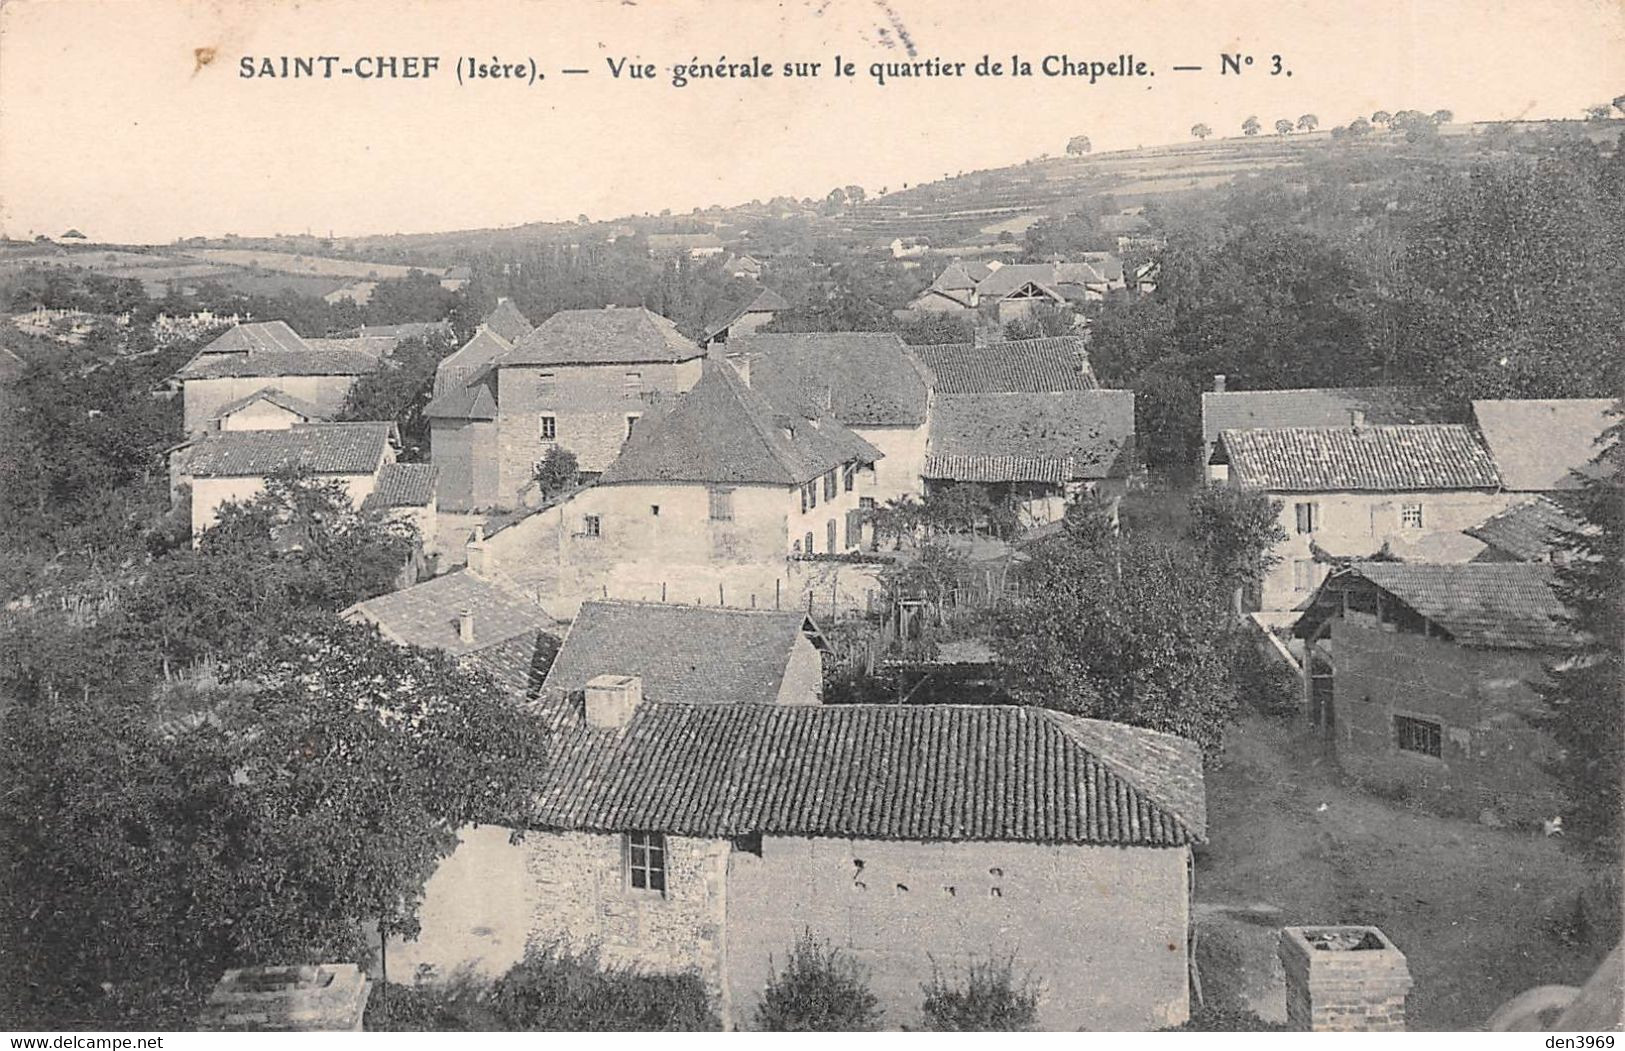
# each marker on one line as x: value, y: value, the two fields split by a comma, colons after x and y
x: 1481, y: 913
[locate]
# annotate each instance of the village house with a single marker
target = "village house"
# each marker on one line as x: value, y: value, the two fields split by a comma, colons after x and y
x: 1536, y: 530
x: 1016, y: 366
x: 747, y: 266
x: 709, y: 837
x: 712, y: 496
x: 693, y: 654
x: 866, y: 380
x: 231, y: 466
x: 1009, y: 291
x: 909, y: 248
x: 483, y: 621
x: 1224, y: 409
x: 247, y: 358
x: 1361, y: 492
x: 462, y: 415
x: 743, y: 314
x: 267, y: 409
x: 1544, y: 445
x: 694, y: 246
x: 405, y: 492
x: 1424, y: 676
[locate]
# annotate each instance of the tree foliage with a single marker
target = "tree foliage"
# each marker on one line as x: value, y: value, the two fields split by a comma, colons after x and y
x: 400, y: 389
x: 820, y: 989
x: 1234, y: 532
x: 559, y: 470
x: 1077, y: 145
x: 555, y: 989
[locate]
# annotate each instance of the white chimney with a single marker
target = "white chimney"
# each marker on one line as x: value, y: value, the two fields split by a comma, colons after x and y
x: 611, y: 700
x: 465, y: 626
x: 479, y: 558
x: 1357, y: 417
x: 1218, y: 383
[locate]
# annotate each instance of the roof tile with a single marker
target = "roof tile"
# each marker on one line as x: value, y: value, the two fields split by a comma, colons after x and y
x: 321, y: 448
x: 1384, y: 459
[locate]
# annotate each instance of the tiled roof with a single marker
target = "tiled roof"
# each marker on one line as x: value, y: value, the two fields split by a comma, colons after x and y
x: 753, y: 301
x: 1051, y: 364
x: 1089, y: 269
x: 601, y: 337
x: 1317, y: 407
x: 955, y: 278
x: 1527, y: 532
x: 463, y: 403
x: 254, y: 337
x: 402, y: 485
x: 321, y: 448
x: 1093, y: 428
x: 310, y: 361
x: 408, y: 329
x: 696, y: 654
x: 863, y: 379
x: 281, y: 399
x: 470, y: 361
x: 999, y: 469
x: 428, y: 614
x: 1498, y: 605
x: 1538, y: 443
x: 375, y: 347
x: 1385, y: 459
x: 723, y: 431
x: 896, y: 772
x: 507, y: 322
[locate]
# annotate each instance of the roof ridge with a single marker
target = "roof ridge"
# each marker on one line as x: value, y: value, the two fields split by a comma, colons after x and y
x: 1064, y: 723
x: 763, y: 428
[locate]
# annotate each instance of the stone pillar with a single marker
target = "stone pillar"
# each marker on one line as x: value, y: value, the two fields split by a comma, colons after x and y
x: 1348, y: 979
x: 329, y: 996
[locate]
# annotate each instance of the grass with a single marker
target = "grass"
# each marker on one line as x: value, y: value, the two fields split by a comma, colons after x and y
x: 1480, y: 913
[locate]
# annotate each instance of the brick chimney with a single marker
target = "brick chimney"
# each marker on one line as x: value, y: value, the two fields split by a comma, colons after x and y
x: 1218, y: 383
x: 465, y: 626
x: 1343, y: 979
x: 611, y: 700
x: 325, y: 997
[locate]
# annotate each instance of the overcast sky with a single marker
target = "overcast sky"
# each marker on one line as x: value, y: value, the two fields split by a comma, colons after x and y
x: 108, y: 125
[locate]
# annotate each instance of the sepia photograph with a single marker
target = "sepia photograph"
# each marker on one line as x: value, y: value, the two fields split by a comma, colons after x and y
x: 812, y: 516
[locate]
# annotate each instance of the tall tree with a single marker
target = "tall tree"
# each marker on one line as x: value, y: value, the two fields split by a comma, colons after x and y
x: 1200, y: 131
x: 1250, y: 126
x: 1077, y: 145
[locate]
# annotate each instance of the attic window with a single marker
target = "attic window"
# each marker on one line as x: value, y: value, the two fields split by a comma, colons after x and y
x: 750, y: 843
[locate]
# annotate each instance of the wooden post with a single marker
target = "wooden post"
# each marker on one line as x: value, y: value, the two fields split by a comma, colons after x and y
x: 776, y: 584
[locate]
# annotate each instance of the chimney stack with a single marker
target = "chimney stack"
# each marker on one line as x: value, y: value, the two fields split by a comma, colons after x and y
x: 1344, y: 979
x: 465, y: 626
x: 1357, y: 417
x: 479, y: 558
x: 611, y: 700
x: 1218, y: 383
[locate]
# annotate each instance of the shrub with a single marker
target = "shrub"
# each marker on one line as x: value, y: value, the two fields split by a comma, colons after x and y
x: 987, y: 998
x: 1263, y: 681
x: 819, y: 990
x: 555, y: 989
x: 557, y: 471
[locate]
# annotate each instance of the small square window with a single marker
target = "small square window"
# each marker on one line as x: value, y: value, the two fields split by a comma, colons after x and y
x: 592, y: 525
x: 654, y: 509
x: 722, y: 505
x: 634, y: 381
x: 1410, y: 516
x: 1308, y: 516
x: 1418, y: 735
x: 866, y: 502
x: 646, y: 861
x: 550, y: 428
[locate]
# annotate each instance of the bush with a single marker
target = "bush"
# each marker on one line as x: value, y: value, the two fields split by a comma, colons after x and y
x: 1262, y: 681
x: 819, y: 990
x: 987, y: 998
x: 557, y: 471
x: 554, y: 989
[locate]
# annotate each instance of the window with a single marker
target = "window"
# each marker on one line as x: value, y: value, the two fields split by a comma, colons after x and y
x: 808, y: 544
x: 545, y: 384
x: 795, y: 549
x: 1417, y: 735
x: 646, y: 861
x: 849, y: 475
x: 812, y: 494
x: 550, y: 428
x: 1303, y: 573
x: 634, y: 382
x: 722, y: 505
x: 829, y: 536
x: 631, y: 421
x: 1410, y: 516
x: 866, y: 502
x: 803, y: 499
x: 654, y: 509
x: 592, y: 525
x: 1308, y: 517
x: 829, y: 486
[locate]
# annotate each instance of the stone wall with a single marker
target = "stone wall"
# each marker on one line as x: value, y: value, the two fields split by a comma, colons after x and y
x: 465, y: 451
x: 897, y: 473
x: 1343, y: 979
x: 204, y: 397
x: 1491, y: 759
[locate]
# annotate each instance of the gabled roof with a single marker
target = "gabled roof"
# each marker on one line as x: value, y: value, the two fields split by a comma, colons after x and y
x: 470, y: 361
x: 1495, y: 605
x: 989, y: 469
x: 696, y: 654
x: 428, y: 614
x: 610, y: 336
x: 1527, y: 532
x: 255, y: 336
x: 1094, y: 429
x: 1538, y: 443
x: 863, y: 379
x: 1089, y: 269
x: 321, y: 448
x: 281, y: 399
x: 312, y: 360
x: 723, y: 431
x: 1022, y: 365
x: 1383, y: 459
x: 939, y: 773
x: 402, y: 485
x: 753, y: 301
x: 956, y: 278
x: 463, y: 403
x: 507, y: 322
x: 1318, y: 407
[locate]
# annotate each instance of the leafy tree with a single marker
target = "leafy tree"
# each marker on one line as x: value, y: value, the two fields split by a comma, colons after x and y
x: 1235, y: 532
x: 558, y: 471
x: 1308, y: 122
x: 933, y: 328
x: 1077, y: 145
x: 1250, y: 126
x: 1044, y: 320
x: 988, y: 997
x: 1124, y: 629
x: 1200, y: 131
x: 269, y: 814
x: 1359, y: 127
x: 1585, y: 699
x: 1601, y: 111
x: 1382, y: 116
x: 1283, y: 127
x: 1442, y: 116
x: 400, y: 389
x: 554, y: 989
x: 820, y: 989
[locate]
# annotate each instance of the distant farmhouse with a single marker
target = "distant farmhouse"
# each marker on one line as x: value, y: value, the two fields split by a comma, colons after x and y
x: 1010, y: 291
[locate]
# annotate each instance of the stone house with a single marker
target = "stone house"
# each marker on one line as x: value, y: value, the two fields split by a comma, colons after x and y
x: 1009, y: 291
x: 868, y: 381
x: 694, y: 654
x: 714, y: 494
x: 248, y: 358
x: 267, y: 409
x: 405, y: 492
x: 1423, y: 676
x: 462, y: 413
x: 231, y: 466
x: 708, y: 837
x: 1357, y: 492
x: 743, y: 315
x: 483, y: 621
x: 1544, y: 445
